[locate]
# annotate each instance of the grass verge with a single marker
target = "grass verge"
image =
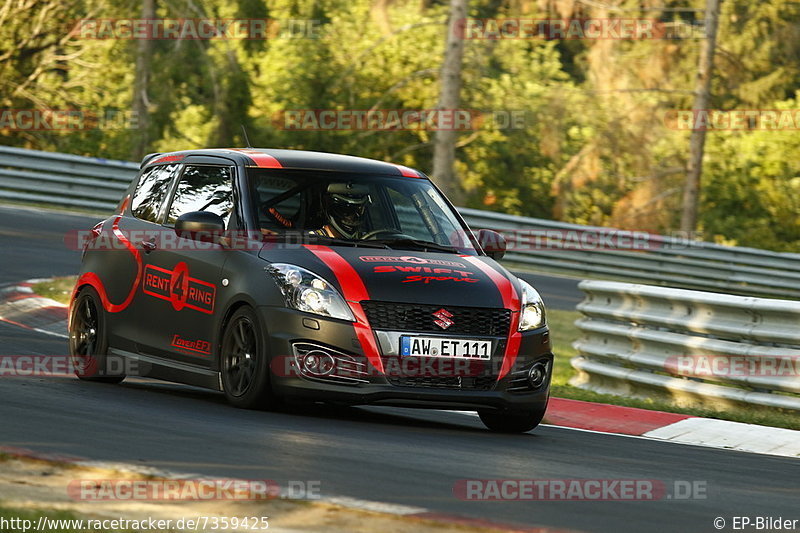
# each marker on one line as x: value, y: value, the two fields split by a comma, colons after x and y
x: 58, y: 289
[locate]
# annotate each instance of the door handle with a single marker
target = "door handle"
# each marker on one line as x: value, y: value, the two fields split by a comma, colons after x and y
x: 148, y: 246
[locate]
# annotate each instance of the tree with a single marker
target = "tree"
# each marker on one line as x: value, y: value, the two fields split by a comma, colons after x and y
x: 705, y: 72
x: 141, y: 103
x: 444, y: 145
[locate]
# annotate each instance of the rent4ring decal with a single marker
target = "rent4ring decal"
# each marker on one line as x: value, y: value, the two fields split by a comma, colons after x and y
x: 463, y: 275
x: 177, y: 287
x: 408, y: 259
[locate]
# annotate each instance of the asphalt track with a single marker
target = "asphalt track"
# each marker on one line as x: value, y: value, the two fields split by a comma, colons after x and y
x: 397, y: 456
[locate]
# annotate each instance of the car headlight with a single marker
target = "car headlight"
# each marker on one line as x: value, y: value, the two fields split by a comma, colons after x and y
x: 532, y: 313
x: 305, y: 291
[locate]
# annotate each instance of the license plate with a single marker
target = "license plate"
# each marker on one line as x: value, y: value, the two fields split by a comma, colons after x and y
x: 442, y: 347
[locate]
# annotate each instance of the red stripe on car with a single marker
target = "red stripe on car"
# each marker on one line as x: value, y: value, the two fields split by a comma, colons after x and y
x: 90, y: 278
x: 168, y: 159
x: 354, y: 292
x: 510, y: 301
x: 261, y: 159
x: 408, y: 172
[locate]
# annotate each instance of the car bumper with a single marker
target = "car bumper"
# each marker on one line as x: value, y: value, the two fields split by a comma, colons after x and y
x: 288, y: 328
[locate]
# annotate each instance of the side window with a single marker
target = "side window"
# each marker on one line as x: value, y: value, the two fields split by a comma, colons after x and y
x: 151, y: 191
x: 203, y: 188
x: 279, y: 209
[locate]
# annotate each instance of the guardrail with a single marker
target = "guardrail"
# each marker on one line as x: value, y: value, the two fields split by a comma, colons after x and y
x: 688, y: 347
x: 534, y: 244
x: 562, y: 248
x: 63, y: 179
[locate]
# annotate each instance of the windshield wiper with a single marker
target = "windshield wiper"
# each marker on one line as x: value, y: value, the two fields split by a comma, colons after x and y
x: 427, y: 246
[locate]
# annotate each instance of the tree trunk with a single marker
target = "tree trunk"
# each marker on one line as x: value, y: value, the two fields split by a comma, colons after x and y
x: 140, y: 103
x: 702, y: 96
x: 444, y: 144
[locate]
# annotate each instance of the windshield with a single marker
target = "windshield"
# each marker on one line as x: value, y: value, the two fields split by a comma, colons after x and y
x: 361, y: 209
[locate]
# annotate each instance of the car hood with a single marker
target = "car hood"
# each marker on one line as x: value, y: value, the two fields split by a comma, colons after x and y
x: 404, y: 276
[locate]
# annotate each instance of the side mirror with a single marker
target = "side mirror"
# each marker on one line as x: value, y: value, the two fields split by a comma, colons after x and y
x: 200, y: 226
x: 492, y: 243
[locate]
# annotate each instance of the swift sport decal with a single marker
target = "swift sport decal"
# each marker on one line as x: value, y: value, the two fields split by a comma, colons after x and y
x: 391, y: 268
x: 462, y: 275
x: 510, y: 301
x: 354, y: 291
x: 177, y: 287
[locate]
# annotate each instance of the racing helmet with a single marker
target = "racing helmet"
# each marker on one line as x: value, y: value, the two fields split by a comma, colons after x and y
x: 345, y: 204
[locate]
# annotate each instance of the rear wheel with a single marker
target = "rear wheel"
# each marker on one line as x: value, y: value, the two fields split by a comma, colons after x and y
x: 88, y: 342
x: 511, y: 421
x: 245, y: 362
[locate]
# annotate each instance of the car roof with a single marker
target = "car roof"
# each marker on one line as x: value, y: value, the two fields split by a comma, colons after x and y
x: 290, y: 159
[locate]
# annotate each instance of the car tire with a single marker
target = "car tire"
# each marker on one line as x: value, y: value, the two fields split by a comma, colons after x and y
x: 511, y: 421
x: 88, y: 339
x: 244, y: 362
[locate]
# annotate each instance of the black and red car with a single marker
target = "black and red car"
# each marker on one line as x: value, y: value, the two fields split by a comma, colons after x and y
x: 280, y: 275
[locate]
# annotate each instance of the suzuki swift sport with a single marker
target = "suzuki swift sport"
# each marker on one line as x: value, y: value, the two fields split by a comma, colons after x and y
x: 280, y: 275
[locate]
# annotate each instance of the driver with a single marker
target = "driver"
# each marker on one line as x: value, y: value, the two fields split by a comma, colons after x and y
x: 344, y: 205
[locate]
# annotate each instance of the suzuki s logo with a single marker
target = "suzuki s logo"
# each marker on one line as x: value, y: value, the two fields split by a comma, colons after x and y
x: 443, y: 317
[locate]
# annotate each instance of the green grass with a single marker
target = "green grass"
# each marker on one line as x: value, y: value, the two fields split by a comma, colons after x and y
x: 563, y: 332
x: 59, y: 289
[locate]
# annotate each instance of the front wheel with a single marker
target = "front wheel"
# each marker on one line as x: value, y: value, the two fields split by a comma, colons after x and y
x: 88, y: 341
x: 511, y: 421
x: 245, y: 362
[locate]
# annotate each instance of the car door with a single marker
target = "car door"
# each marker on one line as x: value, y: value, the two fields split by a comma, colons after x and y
x: 182, y: 275
x: 122, y: 264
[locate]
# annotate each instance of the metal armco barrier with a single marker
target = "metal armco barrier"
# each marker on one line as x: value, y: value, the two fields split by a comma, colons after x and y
x: 596, y: 252
x: 63, y: 179
x: 689, y: 347
x: 534, y: 244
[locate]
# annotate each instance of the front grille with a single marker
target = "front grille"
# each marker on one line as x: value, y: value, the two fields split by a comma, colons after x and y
x: 419, y: 318
x: 430, y: 382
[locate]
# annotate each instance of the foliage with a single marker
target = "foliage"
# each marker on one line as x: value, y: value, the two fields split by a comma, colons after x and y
x: 594, y: 146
